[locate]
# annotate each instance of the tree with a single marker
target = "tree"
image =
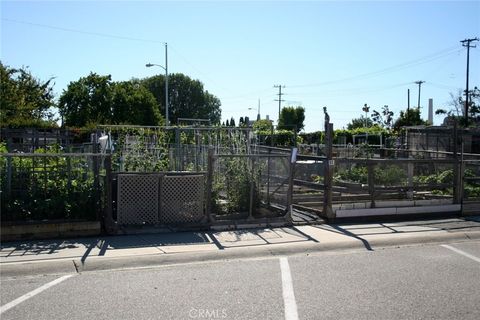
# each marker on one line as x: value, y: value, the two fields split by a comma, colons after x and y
x: 457, y: 106
x: 87, y: 100
x: 384, y: 119
x: 410, y: 118
x: 262, y: 125
x: 187, y: 98
x: 97, y: 99
x: 361, y: 122
x: 134, y: 104
x: 292, y: 118
x: 232, y: 122
x: 25, y: 100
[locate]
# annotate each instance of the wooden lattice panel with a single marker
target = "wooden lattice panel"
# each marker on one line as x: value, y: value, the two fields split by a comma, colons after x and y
x: 137, y: 199
x: 182, y: 199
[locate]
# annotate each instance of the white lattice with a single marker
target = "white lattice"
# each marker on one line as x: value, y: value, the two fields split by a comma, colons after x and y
x: 137, y: 199
x: 182, y: 199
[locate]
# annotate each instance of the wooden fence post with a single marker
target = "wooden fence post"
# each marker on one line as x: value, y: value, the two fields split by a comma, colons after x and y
x: 293, y: 159
x: 410, y: 171
x: 456, y: 183
x: 9, y: 175
x: 252, y: 188
x: 328, y: 172
x: 109, y: 223
x: 208, y: 207
x: 96, y: 184
x: 371, y: 182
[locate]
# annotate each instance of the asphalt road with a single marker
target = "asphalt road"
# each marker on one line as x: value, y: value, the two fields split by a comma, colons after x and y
x: 415, y: 282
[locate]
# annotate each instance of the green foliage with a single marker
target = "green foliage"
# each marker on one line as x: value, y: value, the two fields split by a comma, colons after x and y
x: 25, y: 100
x: 233, y: 183
x: 134, y: 104
x: 388, y: 175
x: 312, y: 137
x: 358, y: 174
x: 48, y: 188
x: 383, y: 119
x: 262, y: 125
x: 408, y: 118
x: 141, y: 149
x: 292, y: 118
x: 281, y: 138
x: 187, y: 98
x: 456, y: 110
x: 361, y: 122
x: 97, y: 99
x: 373, y: 132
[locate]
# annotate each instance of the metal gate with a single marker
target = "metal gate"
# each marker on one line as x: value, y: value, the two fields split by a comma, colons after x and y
x: 160, y: 198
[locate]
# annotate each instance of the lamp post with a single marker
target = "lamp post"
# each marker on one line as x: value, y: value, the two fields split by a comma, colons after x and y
x: 148, y: 65
x: 258, y: 110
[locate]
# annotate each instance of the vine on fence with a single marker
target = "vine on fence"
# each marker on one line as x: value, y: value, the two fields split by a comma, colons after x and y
x: 47, y: 188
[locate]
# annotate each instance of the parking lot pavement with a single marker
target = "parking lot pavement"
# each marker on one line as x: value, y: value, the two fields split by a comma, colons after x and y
x: 422, y: 281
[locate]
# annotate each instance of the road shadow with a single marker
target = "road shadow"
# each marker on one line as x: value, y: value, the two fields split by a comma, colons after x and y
x: 98, y: 246
x: 341, y: 230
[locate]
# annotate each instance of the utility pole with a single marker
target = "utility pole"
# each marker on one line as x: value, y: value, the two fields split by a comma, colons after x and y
x: 467, y: 43
x: 419, y: 91
x: 167, y: 122
x: 280, y: 100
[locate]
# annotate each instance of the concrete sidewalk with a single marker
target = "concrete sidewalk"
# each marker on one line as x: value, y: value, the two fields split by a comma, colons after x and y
x: 146, y: 250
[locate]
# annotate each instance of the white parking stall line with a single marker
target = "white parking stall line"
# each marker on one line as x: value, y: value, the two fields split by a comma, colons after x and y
x: 463, y: 253
x: 287, y: 290
x: 32, y: 293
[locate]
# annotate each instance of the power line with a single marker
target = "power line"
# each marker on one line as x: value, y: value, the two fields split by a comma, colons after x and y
x: 98, y: 34
x: 409, y: 64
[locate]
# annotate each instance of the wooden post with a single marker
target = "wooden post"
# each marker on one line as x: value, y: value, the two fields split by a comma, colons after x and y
x: 371, y: 182
x: 293, y: 159
x: 252, y: 188
x: 96, y: 183
x: 177, y: 151
x: 208, y: 206
x: 109, y: 223
x: 456, y: 184
x: 328, y: 172
x: 9, y: 176
x: 410, y: 170
x: 268, y: 176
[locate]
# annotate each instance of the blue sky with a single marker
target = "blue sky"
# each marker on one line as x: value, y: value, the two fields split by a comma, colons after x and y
x: 335, y: 54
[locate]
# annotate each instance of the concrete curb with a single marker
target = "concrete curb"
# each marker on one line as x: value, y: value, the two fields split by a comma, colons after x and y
x: 62, y: 266
x: 38, y: 231
x: 44, y: 267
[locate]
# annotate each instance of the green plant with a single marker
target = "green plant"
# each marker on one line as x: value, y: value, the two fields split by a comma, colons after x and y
x: 46, y: 188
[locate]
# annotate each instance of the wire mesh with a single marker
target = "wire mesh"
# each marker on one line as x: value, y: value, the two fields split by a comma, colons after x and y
x: 255, y: 185
x: 50, y: 186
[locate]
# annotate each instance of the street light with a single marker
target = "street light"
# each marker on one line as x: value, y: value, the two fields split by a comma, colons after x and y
x: 148, y: 65
x: 258, y: 110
